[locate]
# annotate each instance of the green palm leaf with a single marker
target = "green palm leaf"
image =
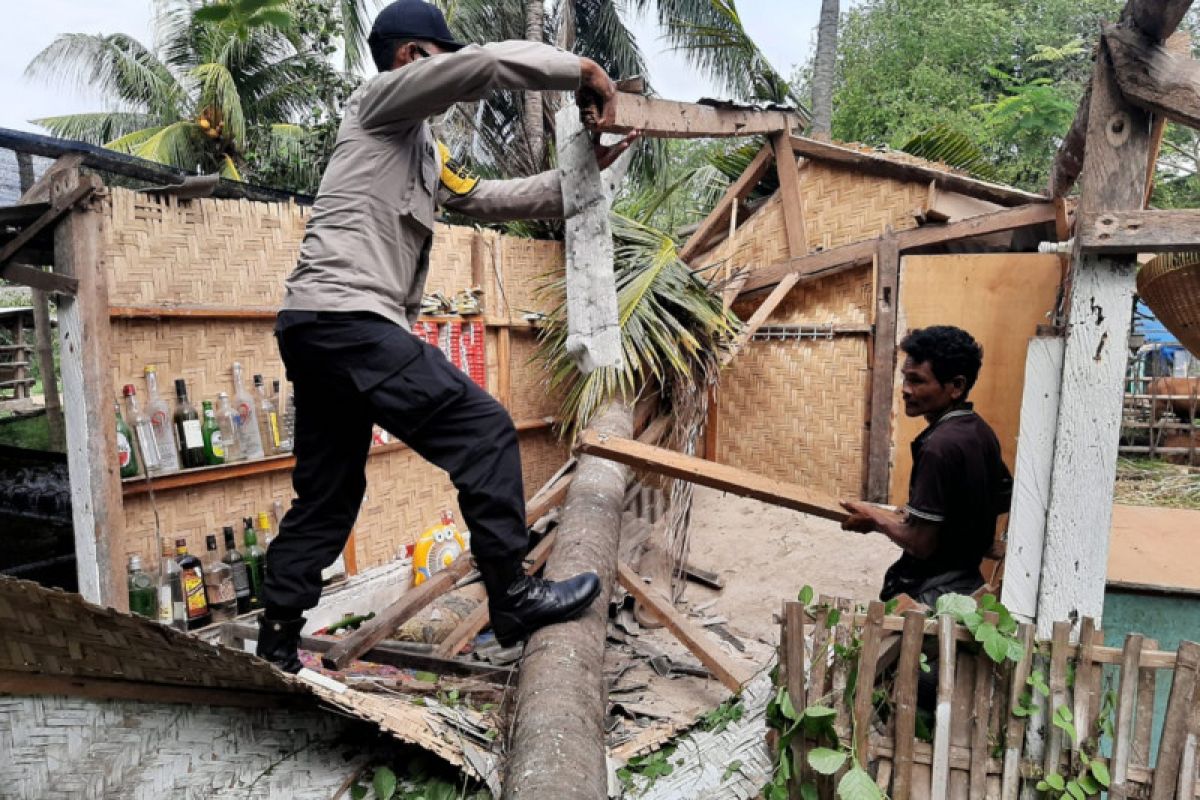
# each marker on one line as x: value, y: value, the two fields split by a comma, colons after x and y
x: 945, y: 145
x: 219, y: 91
x: 179, y: 144
x: 96, y: 127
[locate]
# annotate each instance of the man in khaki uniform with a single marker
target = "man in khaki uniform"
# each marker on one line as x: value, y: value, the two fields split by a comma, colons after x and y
x: 344, y: 330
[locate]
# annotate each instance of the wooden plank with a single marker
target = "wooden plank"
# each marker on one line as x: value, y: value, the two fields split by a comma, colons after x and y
x: 839, y: 259
x: 1014, y: 735
x: 760, y: 315
x: 792, y: 656
x: 707, y: 473
x: 907, y: 674
x: 980, y: 718
x: 1082, y: 712
x: 820, y: 654
x: 715, y: 221
x: 1157, y: 19
x: 43, y: 336
x: 864, y: 685
x: 1122, y: 732
x: 730, y: 673
x: 961, y: 709
x: 1038, y: 420
x: 877, y: 164
x: 942, y: 713
x: 1058, y: 696
x: 39, y: 190
x: 883, y: 367
x: 1187, y: 770
x: 60, y: 205
x: 14, y: 683
x: 1138, y: 231
x: 842, y: 634
x: 703, y: 577
x: 97, y: 518
x: 1174, y: 731
x: 671, y: 119
x: 395, y: 615
x: 1143, y: 721
x: 790, y: 196
x: 504, y: 367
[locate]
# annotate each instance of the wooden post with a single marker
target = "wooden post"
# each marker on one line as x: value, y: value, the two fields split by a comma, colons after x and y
x: 20, y: 387
x: 789, y: 194
x: 83, y: 330
x: 883, y: 367
x: 45, y: 355
x: 504, y: 367
x: 1075, y: 560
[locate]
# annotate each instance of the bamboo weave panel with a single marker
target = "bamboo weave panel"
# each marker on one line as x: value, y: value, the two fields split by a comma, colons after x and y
x: 531, y: 395
x: 844, y: 298
x: 527, y: 265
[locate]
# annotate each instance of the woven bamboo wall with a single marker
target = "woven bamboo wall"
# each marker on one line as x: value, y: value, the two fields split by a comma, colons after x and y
x: 796, y: 410
x: 211, y: 252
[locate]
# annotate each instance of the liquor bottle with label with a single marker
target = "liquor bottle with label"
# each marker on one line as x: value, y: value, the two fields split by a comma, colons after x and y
x: 172, y: 610
x: 210, y: 432
x: 218, y: 583
x: 238, y: 571
x: 247, y: 417
x: 285, y: 401
x: 143, y: 431
x: 268, y: 418
x: 187, y: 427
x: 143, y: 595
x: 256, y: 562
x: 126, y: 458
x: 160, y: 420
x: 191, y: 579
x: 228, y: 424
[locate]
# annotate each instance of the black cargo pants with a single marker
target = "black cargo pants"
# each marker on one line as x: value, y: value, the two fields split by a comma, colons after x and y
x: 350, y: 370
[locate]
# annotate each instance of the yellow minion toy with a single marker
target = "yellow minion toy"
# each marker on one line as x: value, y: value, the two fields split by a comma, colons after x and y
x: 436, y: 549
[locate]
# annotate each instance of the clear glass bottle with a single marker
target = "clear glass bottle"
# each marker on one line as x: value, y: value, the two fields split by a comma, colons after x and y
x: 171, y: 608
x: 228, y: 424
x: 160, y: 420
x: 247, y: 417
x: 218, y: 583
x: 143, y: 595
x: 268, y: 418
x: 187, y: 427
x: 143, y: 432
x: 191, y: 578
x: 237, y: 568
x: 127, y: 459
x: 286, y: 401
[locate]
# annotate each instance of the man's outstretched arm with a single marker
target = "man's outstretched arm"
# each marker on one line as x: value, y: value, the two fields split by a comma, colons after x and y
x: 916, y: 536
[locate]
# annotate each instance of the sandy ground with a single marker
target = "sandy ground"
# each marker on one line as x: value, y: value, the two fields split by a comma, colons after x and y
x: 766, y: 554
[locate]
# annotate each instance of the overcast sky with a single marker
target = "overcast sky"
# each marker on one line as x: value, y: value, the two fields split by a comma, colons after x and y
x: 782, y: 28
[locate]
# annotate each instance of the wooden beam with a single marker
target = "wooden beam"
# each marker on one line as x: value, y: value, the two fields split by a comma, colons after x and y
x: 877, y: 164
x: 504, y: 367
x: 840, y: 259
x: 43, y: 336
x: 671, y: 119
x: 39, y: 190
x: 1109, y: 232
x: 714, y: 222
x: 706, y: 473
x: 1068, y: 161
x: 88, y: 184
x: 764, y: 310
x: 395, y: 615
x: 789, y: 193
x: 883, y: 367
x: 1152, y: 77
x: 729, y: 672
x: 1157, y: 19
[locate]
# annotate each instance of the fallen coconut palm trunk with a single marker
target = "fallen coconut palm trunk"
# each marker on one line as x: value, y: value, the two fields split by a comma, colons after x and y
x: 557, y: 751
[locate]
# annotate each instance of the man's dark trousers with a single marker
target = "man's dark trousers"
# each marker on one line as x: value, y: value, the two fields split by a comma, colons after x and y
x: 352, y: 370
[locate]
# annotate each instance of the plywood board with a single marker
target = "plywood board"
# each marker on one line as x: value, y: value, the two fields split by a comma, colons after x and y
x: 1000, y: 299
x: 1154, y: 547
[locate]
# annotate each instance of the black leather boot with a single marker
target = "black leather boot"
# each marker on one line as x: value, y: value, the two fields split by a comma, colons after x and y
x: 278, y: 642
x: 520, y: 604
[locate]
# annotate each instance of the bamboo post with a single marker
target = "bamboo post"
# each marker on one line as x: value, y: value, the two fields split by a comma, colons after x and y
x: 1010, y: 781
x: 1175, y: 725
x: 907, y: 675
x: 940, y: 779
x: 820, y: 654
x: 1143, y: 723
x: 864, y: 685
x: 980, y: 718
x: 791, y: 647
x: 1126, y: 694
x: 1058, y: 695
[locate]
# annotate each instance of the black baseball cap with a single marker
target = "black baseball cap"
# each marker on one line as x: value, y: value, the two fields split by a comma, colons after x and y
x: 414, y: 19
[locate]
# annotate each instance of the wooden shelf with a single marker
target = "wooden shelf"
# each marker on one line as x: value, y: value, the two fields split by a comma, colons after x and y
x: 244, y: 469
x: 204, y: 312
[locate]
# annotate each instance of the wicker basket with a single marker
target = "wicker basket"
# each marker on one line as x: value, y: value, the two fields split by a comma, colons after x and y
x: 1170, y: 285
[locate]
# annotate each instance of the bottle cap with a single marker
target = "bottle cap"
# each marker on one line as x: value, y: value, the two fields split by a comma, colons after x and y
x: 180, y: 386
x: 149, y: 368
x: 128, y: 390
x: 275, y: 386
x: 222, y: 396
x: 210, y: 541
x: 258, y: 381
x: 263, y: 520
x: 181, y: 543
x: 228, y: 530
x: 135, y: 563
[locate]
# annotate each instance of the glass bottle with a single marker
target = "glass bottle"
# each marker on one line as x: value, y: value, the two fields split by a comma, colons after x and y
x: 210, y: 432
x: 268, y: 418
x: 247, y: 417
x: 143, y: 595
x: 286, y: 403
x: 160, y: 420
x: 191, y: 578
x: 171, y: 609
x: 238, y: 572
x: 126, y: 458
x: 255, y: 560
x: 143, y: 431
x: 265, y: 537
x: 187, y: 427
x: 218, y: 583
x: 227, y: 422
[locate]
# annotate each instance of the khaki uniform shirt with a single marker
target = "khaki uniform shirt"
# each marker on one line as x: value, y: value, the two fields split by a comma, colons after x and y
x: 366, y: 246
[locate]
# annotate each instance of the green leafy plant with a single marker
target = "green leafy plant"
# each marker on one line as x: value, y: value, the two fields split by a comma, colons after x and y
x: 998, y: 638
x: 719, y: 718
x: 651, y: 767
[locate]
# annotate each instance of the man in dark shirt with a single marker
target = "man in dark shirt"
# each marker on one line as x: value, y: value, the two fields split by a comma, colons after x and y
x: 959, y: 485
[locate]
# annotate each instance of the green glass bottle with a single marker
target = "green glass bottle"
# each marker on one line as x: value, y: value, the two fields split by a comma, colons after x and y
x: 210, y: 431
x: 237, y: 566
x: 126, y: 457
x: 143, y: 594
x: 255, y: 560
x: 187, y: 428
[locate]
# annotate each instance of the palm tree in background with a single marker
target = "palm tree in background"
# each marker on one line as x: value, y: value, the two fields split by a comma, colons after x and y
x: 226, y: 80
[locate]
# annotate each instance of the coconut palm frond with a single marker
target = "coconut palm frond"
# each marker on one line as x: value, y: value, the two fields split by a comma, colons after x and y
x: 132, y: 140
x: 229, y: 169
x: 179, y: 144
x: 219, y: 93
x: 356, y: 17
x: 601, y: 35
x: 95, y: 127
x: 955, y: 148
x: 671, y: 325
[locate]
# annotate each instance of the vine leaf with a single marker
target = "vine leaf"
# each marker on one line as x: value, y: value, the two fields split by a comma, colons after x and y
x: 857, y: 784
x: 956, y: 605
x: 806, y: 595
x: 826, y: 761
x: 1100, y: 773
x: 384, y: 783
